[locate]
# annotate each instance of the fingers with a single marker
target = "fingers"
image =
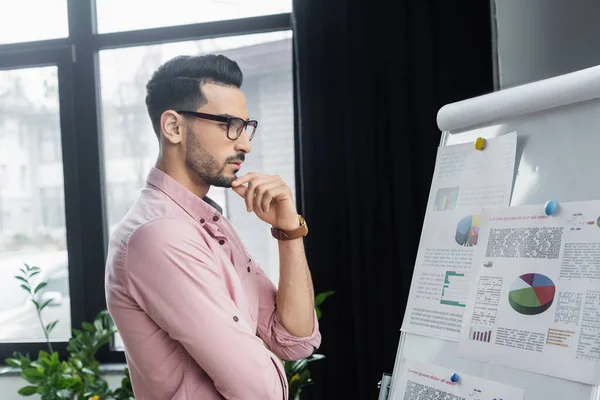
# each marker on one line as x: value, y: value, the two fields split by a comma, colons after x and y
x: 245, y: 179
x: 260, y: 191
x: 241, y: 190
x: 265, y: 195
x: 253, y: 185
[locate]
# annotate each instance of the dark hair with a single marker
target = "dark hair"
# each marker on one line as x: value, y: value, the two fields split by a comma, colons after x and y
x: 177, y: 84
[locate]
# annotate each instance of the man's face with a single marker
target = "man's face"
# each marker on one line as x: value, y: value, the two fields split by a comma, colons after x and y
x: 210, y: 154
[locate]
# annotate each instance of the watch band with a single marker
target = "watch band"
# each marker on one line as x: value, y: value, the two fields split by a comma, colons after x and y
x: 280, y: 234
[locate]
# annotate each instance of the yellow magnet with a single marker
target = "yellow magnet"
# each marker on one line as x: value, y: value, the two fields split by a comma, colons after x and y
x: 480, y: 143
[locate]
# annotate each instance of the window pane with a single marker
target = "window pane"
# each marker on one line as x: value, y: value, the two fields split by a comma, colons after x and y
x: 116, y: 15
x: 18, y: 23
x: 131, y: 147
x: 32, y: 211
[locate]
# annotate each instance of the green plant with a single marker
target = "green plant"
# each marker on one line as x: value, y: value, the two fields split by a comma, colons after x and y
x: 25, y: 277
x: 77, y: 378
x: 297, y: 372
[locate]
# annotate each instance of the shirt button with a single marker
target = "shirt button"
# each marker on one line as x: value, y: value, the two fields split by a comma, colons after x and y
x: 215, y: 218
x: 221, y: 242
x: 202, y: 220
x: 235, y: 318
x: 248, y: 269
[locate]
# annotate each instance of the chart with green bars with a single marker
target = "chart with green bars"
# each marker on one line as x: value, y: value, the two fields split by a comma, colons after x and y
x: 456, y: 289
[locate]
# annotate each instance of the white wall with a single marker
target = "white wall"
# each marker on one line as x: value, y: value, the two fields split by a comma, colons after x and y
x: 11, y: 384
x: 538, y: 39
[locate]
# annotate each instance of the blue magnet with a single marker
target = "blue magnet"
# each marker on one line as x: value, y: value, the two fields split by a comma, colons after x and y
x: 551, y: 207
x: 454, y: 377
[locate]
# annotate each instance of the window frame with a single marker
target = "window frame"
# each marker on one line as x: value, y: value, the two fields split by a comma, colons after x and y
x: 82, y: 152
x: 59, y: 56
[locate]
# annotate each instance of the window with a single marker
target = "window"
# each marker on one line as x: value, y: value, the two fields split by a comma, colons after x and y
x: 49, y: 141
x: 75, y: 150
x: 29, y: 20
x: 32, y: 213
x: 53, y: 207
x: 23, y: 178
x: 265, y: 59
x: 116, y: 15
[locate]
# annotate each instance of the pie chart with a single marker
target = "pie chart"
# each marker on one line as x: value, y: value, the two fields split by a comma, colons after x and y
x: 467, y: 231
x: 531, y: 294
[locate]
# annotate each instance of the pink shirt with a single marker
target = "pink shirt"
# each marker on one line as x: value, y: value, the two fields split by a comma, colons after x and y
x: 192, y: 305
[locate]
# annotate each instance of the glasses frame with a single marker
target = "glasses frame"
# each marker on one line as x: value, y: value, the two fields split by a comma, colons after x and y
x: 221, y: 118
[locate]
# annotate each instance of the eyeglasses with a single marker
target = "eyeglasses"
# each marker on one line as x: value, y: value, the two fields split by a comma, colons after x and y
x: 235, y: 126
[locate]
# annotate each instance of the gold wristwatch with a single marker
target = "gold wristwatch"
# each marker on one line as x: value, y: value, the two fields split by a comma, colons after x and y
x: 280, y: 234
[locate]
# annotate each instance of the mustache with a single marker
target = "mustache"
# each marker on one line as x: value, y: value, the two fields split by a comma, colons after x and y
x: 238, y: 157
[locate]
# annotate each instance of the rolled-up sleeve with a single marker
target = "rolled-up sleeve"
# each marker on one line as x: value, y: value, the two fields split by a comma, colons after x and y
x: 285, y: 345
x: 177, y: 282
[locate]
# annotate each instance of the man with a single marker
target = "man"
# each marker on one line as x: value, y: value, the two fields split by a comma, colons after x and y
x: 198, y: 317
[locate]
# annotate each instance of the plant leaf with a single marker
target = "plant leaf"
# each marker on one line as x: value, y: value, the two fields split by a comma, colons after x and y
x: 51, y: 326
x: 64, y: 394
x: 33, y: 375
x: 322, y: 296
x: 27, y: 266
x: 21, y: 279
x: 13, y: 362
x: 45, y: 304
x: 26, y: 288
x: 40, y: 286
x: 315, y: 357
x: 88, y: 327
x: 28, y: 390
x: 34, y: 274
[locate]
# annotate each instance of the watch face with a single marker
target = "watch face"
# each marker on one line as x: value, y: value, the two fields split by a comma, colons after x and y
x: 303, y: 223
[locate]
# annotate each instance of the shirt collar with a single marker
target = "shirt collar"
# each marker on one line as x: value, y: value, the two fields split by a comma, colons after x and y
x: 201, y: 209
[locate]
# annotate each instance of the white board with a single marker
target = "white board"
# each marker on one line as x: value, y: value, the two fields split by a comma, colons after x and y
x: 557, y: 121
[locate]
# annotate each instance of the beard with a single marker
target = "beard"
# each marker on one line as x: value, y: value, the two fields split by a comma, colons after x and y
x: 206, y: 167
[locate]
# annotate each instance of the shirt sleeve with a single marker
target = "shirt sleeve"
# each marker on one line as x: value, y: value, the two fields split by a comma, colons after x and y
x: 175, y: 279
x: 285, y: 345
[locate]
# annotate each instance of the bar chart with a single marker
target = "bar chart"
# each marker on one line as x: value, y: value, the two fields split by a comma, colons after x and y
x: 481, y: 334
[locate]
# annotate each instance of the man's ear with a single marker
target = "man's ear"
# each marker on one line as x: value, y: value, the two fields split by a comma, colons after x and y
x: 170, y: 126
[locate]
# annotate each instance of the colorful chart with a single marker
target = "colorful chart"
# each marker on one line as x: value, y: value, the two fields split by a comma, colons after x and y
x: 531, y: 294
x: 445, y: 199
x: 467, y: 231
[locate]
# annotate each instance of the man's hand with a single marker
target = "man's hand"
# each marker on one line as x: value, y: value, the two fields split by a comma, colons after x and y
x: 269, y: 197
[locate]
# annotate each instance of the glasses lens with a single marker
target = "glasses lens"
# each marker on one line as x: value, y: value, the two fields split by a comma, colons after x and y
x: 251, y: 130
x: 235, y: 128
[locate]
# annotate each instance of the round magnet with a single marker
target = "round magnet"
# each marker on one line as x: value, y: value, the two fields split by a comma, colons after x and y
x: 454, y: 377
x: 480, y: 143
x: 551, y: 207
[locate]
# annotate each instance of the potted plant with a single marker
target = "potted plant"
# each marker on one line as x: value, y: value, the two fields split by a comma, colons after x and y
x: 77, y: 378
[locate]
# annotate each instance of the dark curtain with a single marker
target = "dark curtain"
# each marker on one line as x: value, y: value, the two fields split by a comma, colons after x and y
x: 370, y: 78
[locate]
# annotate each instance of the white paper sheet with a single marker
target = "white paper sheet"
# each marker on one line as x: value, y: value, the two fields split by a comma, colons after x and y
x: 535, y: 300
x: 465, y: 180
x: 419, y: 381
